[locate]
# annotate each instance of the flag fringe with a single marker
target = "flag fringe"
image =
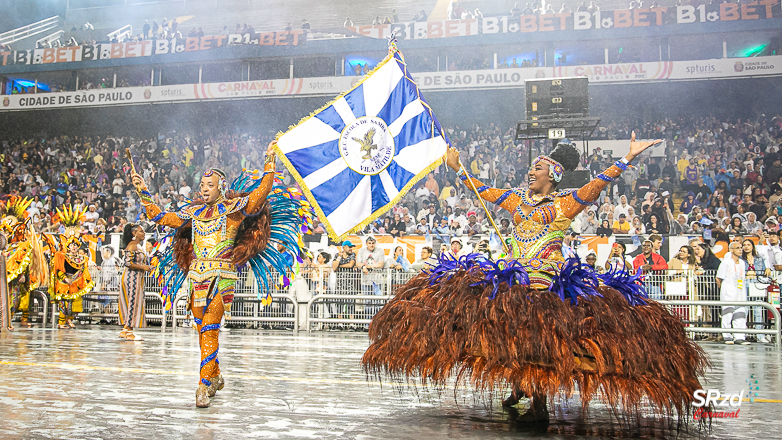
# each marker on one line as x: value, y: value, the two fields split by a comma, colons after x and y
x: 388, y: 58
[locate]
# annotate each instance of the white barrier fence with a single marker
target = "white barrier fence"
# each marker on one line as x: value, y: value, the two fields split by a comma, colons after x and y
x: 322, y: 299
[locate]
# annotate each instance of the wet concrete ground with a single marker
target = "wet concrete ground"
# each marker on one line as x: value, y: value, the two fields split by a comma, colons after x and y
x: 87, y: 383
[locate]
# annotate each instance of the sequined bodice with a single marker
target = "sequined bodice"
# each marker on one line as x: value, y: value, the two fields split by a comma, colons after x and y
x: 539, y: 234
x: 214, y: 238
x: 215, y: 227
x: 214, y: 234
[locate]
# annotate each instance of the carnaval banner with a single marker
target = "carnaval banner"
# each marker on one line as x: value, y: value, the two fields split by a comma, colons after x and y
x: 451, y: 80
x: 179, y: 93
x: 357, y: 157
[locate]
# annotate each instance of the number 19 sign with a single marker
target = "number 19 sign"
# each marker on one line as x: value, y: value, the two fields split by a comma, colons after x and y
x: 556, y: 133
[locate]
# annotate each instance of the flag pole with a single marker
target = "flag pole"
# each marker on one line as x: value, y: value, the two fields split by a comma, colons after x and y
x: 486, y: 210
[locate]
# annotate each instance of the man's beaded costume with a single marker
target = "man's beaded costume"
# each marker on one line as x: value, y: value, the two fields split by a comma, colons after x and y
x: 211, y: 243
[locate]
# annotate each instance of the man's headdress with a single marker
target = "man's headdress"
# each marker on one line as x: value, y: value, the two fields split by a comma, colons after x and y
x: 72, y: 218
x: 14, y: 216
x: 222, y: 183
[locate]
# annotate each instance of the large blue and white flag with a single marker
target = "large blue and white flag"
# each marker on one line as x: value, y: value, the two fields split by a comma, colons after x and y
x: 357, y: 156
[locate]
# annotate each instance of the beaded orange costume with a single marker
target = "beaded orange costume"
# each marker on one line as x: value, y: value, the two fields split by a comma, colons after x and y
x: 537, y: 236
x: 208, y: 263
x: 537, y: 323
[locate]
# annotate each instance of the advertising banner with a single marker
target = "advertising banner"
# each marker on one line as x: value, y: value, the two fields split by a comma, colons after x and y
x: 146, y: 48
x: 457, y: 80
x: 574, y: 21
x: 182, y: 92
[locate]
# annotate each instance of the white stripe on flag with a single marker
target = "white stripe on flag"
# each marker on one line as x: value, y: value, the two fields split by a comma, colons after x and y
x: 354, y: 209
x: 415, y: 158
x: 388, y: 185
x: 310, y: 133
x: 326, y: 173
x: 344, y: 111
x: 411, y: 110
x: 378, y: 87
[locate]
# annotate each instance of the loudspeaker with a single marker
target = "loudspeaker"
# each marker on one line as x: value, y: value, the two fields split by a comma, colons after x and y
x: 574, y: 179
x: 557, y: 98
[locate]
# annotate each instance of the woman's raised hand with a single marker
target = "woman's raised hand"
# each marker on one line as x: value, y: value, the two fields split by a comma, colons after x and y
x: 138, y: 181
x: 637, y: 148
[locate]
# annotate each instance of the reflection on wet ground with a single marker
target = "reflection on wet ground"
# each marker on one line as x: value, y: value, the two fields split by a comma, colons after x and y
x: 87, y: 383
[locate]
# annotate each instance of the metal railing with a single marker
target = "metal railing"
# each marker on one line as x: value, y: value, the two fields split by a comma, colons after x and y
x: 49, y: 38
x: 29, y: 30
x: 321, y: 299
x: 35, y: 308
x: 104, y: 306
x: 775, y: 332
x: 693, y: 296
x: 121, y: 33
x: 349, y: 297
x: 248, y: 310
x: 341, y: 310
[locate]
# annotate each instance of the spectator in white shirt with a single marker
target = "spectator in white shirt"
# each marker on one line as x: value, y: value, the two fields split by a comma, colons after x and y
x: 118, y: 186
x: 422, y: 228
x: 771, y: 252
x: 422, y: 193
x: 185, y: 191
x: 91, y: 218
x: 370, y: 259
x: 753, y: 225
x: 731, y: 280
x: 622, y: 208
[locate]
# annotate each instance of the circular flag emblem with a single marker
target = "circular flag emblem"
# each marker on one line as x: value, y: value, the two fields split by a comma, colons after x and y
x: 367, y: 145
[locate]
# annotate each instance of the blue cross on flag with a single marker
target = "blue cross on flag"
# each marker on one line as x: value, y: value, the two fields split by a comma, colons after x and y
x: 358, y: 156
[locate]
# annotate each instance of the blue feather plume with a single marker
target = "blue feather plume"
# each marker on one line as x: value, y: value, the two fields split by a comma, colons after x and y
x: 449, y: 265
x: 496, y: 273
x: 286, y: 226
x: 573, y: 280
x: 630, y: 286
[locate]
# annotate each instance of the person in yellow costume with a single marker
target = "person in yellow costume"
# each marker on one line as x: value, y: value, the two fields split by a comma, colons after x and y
x: 70, y: 278
x: 26, y: 268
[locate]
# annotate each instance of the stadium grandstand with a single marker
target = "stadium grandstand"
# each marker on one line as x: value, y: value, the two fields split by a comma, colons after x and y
x: 189, y: 85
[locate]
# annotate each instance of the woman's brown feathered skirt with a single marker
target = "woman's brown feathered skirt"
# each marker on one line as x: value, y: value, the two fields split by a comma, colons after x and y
x: 532, y: 341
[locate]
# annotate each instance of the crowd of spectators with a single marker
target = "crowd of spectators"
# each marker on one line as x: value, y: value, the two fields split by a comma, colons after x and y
x: 724, y: 174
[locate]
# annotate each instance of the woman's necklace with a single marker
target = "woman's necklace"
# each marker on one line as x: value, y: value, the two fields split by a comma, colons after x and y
x: 530, y: 199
